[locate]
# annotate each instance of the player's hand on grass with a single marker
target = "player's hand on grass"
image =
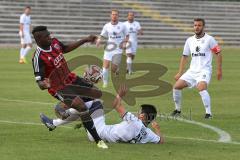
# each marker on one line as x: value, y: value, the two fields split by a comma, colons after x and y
x: 177, y: 76
x: 122, y: 90
x: 155, y: 125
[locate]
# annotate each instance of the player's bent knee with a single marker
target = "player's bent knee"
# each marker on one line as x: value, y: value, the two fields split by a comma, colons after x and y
x: 180, y: 84
x: 202, y: 86
x: 78, y: 104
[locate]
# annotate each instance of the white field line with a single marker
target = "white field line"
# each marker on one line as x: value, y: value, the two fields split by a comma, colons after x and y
x: 25, y: 101
x: 223, y: 135
x: 171, y: 137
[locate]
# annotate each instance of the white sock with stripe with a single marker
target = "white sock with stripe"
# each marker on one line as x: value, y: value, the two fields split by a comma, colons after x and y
x: 22, y: 53
x: 206, y: 101
x: 26, y: 50
x: 105, y: 76
x: 177, y: 98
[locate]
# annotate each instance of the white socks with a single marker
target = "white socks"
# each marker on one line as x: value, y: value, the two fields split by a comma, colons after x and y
x: 129, y: 64
x: 27, y: 49
x: 206, y: 101
x: 105, y: 76
x: 177, y: 97
x: 71, y: 118
x: 73, y: 115
x: 22, y: 53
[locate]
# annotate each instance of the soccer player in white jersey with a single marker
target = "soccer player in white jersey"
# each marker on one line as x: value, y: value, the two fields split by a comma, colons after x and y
x: 116, y: 34
x: 134, y: 29
x: 25, y: 36
x: 201, y: 47
x: 132, y: 129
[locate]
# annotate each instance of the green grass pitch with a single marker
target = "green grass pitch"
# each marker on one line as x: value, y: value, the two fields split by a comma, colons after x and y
x: 23, y: 138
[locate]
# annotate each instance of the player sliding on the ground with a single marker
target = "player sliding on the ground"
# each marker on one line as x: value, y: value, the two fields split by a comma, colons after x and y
x: 131, y: 130
x: 201, y: 47
x: 52, y: 73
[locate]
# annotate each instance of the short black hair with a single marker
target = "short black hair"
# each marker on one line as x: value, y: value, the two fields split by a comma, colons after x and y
x: 39, y: 29
x: 149, y: 111
x: 200, y: 19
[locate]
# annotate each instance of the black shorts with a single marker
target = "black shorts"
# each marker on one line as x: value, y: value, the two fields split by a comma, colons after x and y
x: 79, y: 88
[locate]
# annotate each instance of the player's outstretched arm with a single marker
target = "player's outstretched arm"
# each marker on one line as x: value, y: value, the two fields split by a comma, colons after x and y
x: 99, y: 41
x: 117, y: 105
x: 182, y: 64
x: 69, y: 47
x: 219, y: 66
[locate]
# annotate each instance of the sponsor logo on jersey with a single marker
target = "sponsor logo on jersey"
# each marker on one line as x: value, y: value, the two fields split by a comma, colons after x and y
x: 197, y: 49
x: 115, y: 36
x: 56, y: 46
x: 198, y: 52
x: 58, y: 59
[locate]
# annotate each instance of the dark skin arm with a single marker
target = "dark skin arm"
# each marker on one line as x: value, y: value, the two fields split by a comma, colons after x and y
x: 44, y: 84
x: 71, y: 46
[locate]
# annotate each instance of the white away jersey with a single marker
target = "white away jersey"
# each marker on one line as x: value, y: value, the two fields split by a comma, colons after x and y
x: 26, y: 21
x: 130, y: 130
x: 133, y: 29
x: 115, y: 35
x: 201, y: 50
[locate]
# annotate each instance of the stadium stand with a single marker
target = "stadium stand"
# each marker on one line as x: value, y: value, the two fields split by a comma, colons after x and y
x: 165, y: 22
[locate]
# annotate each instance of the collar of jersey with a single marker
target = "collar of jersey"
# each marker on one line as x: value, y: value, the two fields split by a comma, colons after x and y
x: 114, y: 24
x: 50, y: 50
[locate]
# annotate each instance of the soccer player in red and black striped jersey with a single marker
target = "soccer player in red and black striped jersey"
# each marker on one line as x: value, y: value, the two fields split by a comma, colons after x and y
x: 51, y: 72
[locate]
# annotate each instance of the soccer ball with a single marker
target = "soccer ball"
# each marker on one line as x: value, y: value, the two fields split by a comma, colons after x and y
x: 93, y: 74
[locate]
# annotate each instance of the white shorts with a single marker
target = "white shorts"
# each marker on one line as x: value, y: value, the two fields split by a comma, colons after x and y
x: 131, y: 48
x: 26, y: 39
x: 115, y: 58
x: 99, y: 123
x: 193, y: 78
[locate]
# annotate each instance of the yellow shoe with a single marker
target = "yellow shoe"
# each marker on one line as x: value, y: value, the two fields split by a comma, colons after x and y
x: 21, y: 61
x: 25, y: 60
x: 104, y: 85
x: 102, y: 144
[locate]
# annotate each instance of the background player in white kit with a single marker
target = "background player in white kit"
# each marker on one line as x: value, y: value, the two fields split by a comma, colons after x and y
x: 201, y: 47
x: 134, y: 29
x: 116, y: 34
x: 131, y: 130
x: 25, y: 36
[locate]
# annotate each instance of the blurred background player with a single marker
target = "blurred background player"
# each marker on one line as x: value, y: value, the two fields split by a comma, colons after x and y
x: 25, y: 36
x: 116, y: 34
x: 51, y: 72
x: 134, y: 29
x: 132, y: 129
x: 201, y: 47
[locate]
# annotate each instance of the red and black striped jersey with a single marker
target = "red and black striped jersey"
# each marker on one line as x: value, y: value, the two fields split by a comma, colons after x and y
x: 51, y: 64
